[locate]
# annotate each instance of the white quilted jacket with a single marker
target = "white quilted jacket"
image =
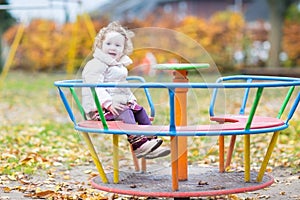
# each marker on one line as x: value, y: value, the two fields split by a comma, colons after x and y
x: 104, y: 69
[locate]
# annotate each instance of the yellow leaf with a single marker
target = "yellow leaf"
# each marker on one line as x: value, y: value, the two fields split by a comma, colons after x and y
x: 25, y: 160
x: 11, y: 177
x: 66, y: 177
x: 6, y: 189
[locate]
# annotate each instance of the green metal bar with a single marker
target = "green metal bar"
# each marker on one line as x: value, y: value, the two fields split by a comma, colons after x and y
x: 253, y: 108
x: 72, y: 90
x: 285, y: 102
x: 100, y: 110
x: 89, y: 141
x: 247, y: 137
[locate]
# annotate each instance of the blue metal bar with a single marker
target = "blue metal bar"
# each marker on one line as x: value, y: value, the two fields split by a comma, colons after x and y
x: 267, y: 78
x: 183, y: 85
x: 245, y: 98
x: 271, y: 82
x: 146, y: 90
x: 212, y: 103
x: 182, y: 133
x: 149, y: 99
x: 214, y: 96
x: 136, y: 78
x: 213, y: 99
x: 236, y: 77
x: 293, y: 108
x: 172, y: 110
x: 67, y: 105
x: 296, y: 81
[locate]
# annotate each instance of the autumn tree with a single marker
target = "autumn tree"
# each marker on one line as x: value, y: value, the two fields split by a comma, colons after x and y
x: 277, y: 10
x: 291, y: 37
x: 6, y: 21
x: 222, y: 35
x: 46, y: 46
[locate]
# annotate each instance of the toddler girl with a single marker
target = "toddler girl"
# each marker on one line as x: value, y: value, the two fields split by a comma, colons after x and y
x: 110, y: 58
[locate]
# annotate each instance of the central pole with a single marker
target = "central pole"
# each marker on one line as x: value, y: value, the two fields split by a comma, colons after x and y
x: 180, y: 76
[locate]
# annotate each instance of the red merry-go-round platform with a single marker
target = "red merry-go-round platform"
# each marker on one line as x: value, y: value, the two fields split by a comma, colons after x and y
x: 202, y: 181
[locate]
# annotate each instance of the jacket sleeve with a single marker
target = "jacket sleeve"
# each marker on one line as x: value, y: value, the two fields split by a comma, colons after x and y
x: 94, y: 72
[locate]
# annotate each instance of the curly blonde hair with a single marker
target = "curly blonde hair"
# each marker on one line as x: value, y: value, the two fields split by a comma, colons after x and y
x: 115, y: 27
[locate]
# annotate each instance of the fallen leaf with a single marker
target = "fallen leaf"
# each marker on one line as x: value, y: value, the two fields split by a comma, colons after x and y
x: 66, y: 177
x: 202, y: 183
x: 45, y: 194
x: 7, y: 189
x: 88, y: 171
x: 282, y: 193
x: 12, y: 177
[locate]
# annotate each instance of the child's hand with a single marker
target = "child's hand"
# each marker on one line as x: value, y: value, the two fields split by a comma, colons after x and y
x: 114, y: 108
x: 134, y: 105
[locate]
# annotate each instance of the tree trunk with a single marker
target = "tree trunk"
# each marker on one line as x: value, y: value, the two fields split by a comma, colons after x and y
x: 277, y: 9
x: 1, y: 58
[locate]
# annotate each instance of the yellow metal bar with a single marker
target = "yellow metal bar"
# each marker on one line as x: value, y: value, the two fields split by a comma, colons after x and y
x: 72, y: 50
x: 12, y: 52
x: 95, y: 157
x: 116, y: 157
x: 247, y: 157
x: 267, y: 156
x: 90, y: 26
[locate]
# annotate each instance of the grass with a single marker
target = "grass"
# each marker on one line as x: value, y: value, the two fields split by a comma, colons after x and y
x: 35, y: 132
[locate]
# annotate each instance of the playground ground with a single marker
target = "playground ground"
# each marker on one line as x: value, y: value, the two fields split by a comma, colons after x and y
x: 29, y: 103
x: 286, y: 186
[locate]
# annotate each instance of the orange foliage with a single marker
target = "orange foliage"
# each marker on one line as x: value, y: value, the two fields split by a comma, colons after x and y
x: 42, y: 46
x: 47, y: 46
x: 221, y: 36
x: 9, y: 35
x: 195, y: 28
x: 291, y: 42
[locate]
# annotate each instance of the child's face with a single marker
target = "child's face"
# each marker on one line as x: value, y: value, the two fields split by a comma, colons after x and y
x: 113, y: 45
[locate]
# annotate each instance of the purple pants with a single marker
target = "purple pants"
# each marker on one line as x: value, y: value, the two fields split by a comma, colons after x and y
x: 131, y: 116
